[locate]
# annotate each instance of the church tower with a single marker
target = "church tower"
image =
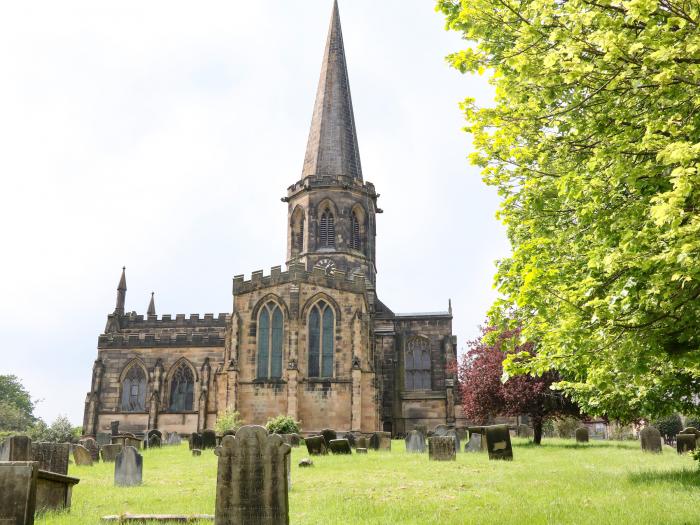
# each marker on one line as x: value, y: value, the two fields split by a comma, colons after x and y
x: 332, y: 211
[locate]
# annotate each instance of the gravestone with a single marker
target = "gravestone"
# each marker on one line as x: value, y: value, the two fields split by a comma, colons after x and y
x: 154, y: 441
x: 174, y: 439
x: 82, y: 456
x: 453, y: 434
x: 524, y: 431
x: 92, y: 447
x: 475, y: 443
x: 196, y: 452
x: 361, y: 442
x: 441, y: 430
x: 329, y: 435
x: 691, y: 430
x: 103, y: 438
x: 361, y: 450
x: 109, y: 452
x: 340, y: 446
x: 229, y: 432
x: 52, y: 457
x: 650, y: 438
x: 18, y: 483
x: 351, y: 439
x: 252, y: 482
x: 582, y: 435
x: 415, y: 442
x: 16, y: 448
x: 196, y: 441
x: 423, y: 429
x: 208, y: 439
x: 498, y: 442
x: 154, y: 432
x: 316, y: 446
x: 380, y: 441
x: 114, y: 427
x: 441, y: 448
x: 128, y: 468
x: 685, y: 443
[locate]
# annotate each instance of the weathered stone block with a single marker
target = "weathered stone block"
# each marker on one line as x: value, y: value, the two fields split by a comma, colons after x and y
x: 208, y: 439
x: 650, y: 439
x: 109, y: 452
x: 380, y: 441
x: 52, y: 457
x: 361, y: 450
x: 329, y: 435
x: 53, y: 491
x: 415, y: 442
x: 128, y: 468
x: 82, y: 456
x: 316, y: 445
x: 16, y: 448
x: 18, y: 481
x: 92, y: 447
x: 441, y: 448
x: 498, y: 442
x: 685, y: 443
x: 340, y: 446
x: 476, y: 443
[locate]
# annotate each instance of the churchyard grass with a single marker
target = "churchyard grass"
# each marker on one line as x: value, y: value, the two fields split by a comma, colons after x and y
x: 560, y: 482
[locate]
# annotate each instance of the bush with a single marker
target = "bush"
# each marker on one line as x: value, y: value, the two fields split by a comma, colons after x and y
x: 669, y: 426
x: 229, y: 420
x: 283, y: 425
x: 566, y: 427
x: 60, y: 431
x: 692, y: 422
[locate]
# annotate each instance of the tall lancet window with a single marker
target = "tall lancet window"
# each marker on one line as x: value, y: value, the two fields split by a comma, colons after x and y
x: 297, y: 231
x: 182, y: 389
x: 417, y: 369
x: 355, y: 239
x: 270, y: 339
x: 321, y: 339
x: 327, y: 229
x: 134, y: 390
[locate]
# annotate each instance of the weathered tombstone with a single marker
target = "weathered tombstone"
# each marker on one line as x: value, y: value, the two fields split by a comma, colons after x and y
x: 174, y: 439
x: 685, y: 443
x: 114, y: 427
x: 650, y: 438
x: 92, y: 447
x: 415, y: 442
x: 475, y: 443
x: 252, y: 483
x: 109, y: 452
x: 351, y: 439
x: 128, y: 469
x: 52, y: 457
x: 294, y: 440
x: 306, y: 462
x: 380, y: 441
x: 154, y: 432
x: 103, y: 438
x: 453, y: 434
x: 582, y: 435
x: 82, y: 456
x: 329, y: 435
x: 208, y: 439
x: 196, y: 441
x: 361, y: 450
x: 154, y: 441
x: 18, y: 482
x: 54, y: 491
x: 362, y: 442
x: 316, y: 446
x: 16, y: 448
x: 498, y: 442
x: 196, y: 452
x: 441, y: 430
x: 691, y: 430
x: 340, y: 446
x: 441, y: 448
x: 423, y: 429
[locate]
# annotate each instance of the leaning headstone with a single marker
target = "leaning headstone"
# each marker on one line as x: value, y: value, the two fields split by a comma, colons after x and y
x: 103, y: 438
x: 316, y: 446
x: 208, y: 439
x: 498, y: 442
x: 128, y: 469
x: 650, y: 438
x: 340, y: 446
x: 16, y: 448
x: 196, y: 441
x: 252, y: 483
x: 685, y: 443
x: 361, y: 450
x: 441, y: 448
x: 453, y: 434
x: 114, y: 427
x: 18, y: 485
x: 361, y: 442
x: 582, y: 435
x: 109, y: 452
x: 196, y: 452
x: 415, y: 442
x: 92, y: 447
x: 52, y: 457
x: 82, y: 456
x: 329, y: 435
x: 475, y: 443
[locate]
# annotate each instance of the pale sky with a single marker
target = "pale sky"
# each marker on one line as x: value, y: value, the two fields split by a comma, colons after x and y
x: 161, y: 135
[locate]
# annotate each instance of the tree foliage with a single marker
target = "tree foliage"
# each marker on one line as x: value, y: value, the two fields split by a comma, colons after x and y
x: 669, y: 426
x: 229, y: 420
x: 60, y: 431
x: 484, y: 395
x: 594, y: 146
x: 283, y: 425
x: 16, y: 405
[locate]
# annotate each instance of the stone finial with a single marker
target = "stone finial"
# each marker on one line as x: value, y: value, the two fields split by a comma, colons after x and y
x: 152, y: 305
x: 121, y: 293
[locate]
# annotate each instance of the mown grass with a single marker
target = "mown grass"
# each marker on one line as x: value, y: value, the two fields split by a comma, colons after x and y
x: 559, y: 482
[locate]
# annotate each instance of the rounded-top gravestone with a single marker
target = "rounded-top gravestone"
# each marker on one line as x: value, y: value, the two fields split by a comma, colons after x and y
x: 415, y: 442
x: 128, y: 468
x: 582, y: 435
x: 82, y: 456
x: 329, y: 435
x: 650, y: 438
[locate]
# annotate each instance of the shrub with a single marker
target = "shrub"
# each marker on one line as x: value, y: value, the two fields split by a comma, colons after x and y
x: 283, y: 425
x: 566, y: 427
x: 229, y: 420
x: 60, y: 431
x: 669, y: 426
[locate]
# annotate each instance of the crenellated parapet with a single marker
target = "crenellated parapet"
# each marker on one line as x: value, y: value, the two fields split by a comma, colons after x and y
x: 347, y: 183
x: 336, y: 279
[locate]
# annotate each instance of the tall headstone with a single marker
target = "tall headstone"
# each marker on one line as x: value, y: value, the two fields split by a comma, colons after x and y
x: 650, y: 438
x: 18, y: 482
x: 685, y: 443
x: 582, y: 435
x: 316, y: 446
x: 252, y: 483
x: 82, y: 456
x: 114, y: 427
x: 109, y: 452
x: 475, y: 443
x: 453, y: 434
x: 498, y: 442
x: 340, y: 446
x: 92, y: 447
x: 128, y: 468
x: 52, y: 457
x: 329, y: 435
x: 415, y: 442
x: 441, y: 448
x: 208, y: 439
x: 196, y: 441
x: 16, y: 448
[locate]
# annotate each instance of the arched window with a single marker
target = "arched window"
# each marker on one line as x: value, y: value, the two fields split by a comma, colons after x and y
x: 327, y: 229
x: 417, y: 364
x: 355, y: 239
x: 300, y: 237
x: 298, y: 231
x: 182, y: 389
x: 321, y: 339
x: 270, y: 338
x: 134, y: 390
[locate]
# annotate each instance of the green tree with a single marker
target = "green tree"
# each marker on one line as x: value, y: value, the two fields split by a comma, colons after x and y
x: 594, y: 146
x: 669, y: 426
x: 229, y: 420
x: 16, y: 406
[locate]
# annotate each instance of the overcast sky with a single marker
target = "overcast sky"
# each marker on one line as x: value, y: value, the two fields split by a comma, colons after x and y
x: 161, y: 135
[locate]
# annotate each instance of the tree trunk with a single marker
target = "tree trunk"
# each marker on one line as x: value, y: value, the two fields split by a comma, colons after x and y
x: 537, y: 430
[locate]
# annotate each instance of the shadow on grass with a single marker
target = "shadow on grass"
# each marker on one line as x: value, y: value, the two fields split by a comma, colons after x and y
x: 591, y: 445
x: 688, y: 478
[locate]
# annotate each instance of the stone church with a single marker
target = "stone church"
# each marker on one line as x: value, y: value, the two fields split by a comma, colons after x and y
x: 312, y: 341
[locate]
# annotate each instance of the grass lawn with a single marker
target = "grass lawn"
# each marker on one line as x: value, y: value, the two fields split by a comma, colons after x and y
x: 559, y: 482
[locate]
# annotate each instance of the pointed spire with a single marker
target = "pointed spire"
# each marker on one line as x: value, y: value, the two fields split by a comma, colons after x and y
x: 332, y: 148
x: 152, y: 305
x: 121, y: 293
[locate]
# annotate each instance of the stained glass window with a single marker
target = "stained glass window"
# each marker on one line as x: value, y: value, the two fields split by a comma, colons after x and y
x: 417, y: 364
x: 321, y: 340
x: 270, y: 342
x: 134, y: 390
x: 182, y: 389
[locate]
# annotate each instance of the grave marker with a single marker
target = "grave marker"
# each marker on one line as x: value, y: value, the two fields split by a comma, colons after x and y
x: 498, y: 442
x: 18, y: 481
x: 109, y: 452
x: 128, y: 468
x: 82, y: 456
x: 329, y: 435
x: 582, y: 435
x: 52, y: 457
x: 316, y: 446
x: 650, y: 438
x: 340, y: 446
x: 415, y: 442
x: 208, y: 439
x: 441, y: 448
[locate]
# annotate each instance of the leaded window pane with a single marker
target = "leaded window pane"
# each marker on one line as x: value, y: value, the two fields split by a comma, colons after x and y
x: 417, y: 365
x: 277, y: 331
x: 182, y: 389
x: 314, y: 342
x: 263, y: 343
x: 134, y: 390
x: 328, y: 342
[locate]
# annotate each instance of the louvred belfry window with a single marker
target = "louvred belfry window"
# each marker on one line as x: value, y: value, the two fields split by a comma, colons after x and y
x: 300, y: 237
x: 327, y: 230
x: 182, y: 389
x: 134, y: 390
x: 417, y: 364
x: 270, y: 339
x: 321, y: 340
x: 355, y: 240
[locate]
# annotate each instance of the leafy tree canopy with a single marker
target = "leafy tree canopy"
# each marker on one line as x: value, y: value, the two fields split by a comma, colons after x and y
x: 16, y: 406
x: 594, y: 146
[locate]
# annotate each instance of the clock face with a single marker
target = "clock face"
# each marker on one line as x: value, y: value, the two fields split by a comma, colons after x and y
x: 327, y: 265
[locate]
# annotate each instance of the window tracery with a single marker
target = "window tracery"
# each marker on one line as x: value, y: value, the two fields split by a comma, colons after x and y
x: 134, y: 390
x: 270, y: 342
x: 321, y: 340
x: 182, y: 389
x: 417, y: 364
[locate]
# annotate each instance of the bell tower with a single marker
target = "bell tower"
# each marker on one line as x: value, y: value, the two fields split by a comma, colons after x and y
x: 332, y: 211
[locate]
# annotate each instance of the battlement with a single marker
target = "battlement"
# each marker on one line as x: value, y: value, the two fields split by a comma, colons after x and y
x: 165, y: 339
x: 297, y: 273
x: 348, y: 183
x: 133, y: 320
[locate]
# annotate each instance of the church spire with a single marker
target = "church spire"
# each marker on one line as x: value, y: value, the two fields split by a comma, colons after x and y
x: 121, y: 293
x: 152, y: 306
x: 332, y: 148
